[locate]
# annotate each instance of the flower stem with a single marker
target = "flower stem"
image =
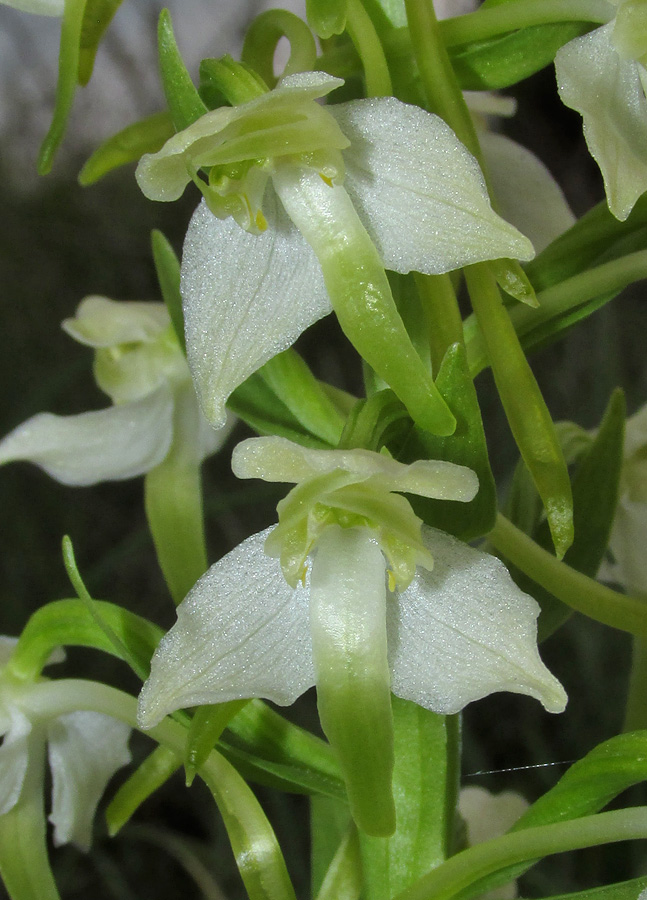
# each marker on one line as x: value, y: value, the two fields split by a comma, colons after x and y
x: 470, y: 866
x: 252, y: 838
x: 497, y: 20
x: 567, y: 584
x: 367, y: 43
x: 636, y: 711
x: 441, y: 315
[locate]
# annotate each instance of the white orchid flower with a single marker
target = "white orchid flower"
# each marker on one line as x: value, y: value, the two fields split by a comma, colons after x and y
x: 327, y: 198
x: 629, y: 529
x: 602, y: 76
x: 488, y: 816
x: 141, y: 367
x: 85, y: 749
x: 523, y: 188
x: 385, y: 604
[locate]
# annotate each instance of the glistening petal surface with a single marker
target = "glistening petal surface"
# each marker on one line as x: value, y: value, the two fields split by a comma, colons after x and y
x: 464, y: 631
x: 108, y: 445
x: 527, y: 195
x: 85, y: 750
x: 241, y: 632
x: 608, y: 93
x: 246, y: 298
x: 419, y: 193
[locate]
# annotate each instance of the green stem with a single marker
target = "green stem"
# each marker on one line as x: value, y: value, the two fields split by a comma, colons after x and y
x: 570, y: 586
x: 367, y: 43
x: 525, y: 409
x: 253, y: 841
x: 558, y: 299
x: 263, y: 35
x: 470, y: 866
x: 497, y: 20
x: 636, y: 711
x: 441, y: 89
x: 441, y: 314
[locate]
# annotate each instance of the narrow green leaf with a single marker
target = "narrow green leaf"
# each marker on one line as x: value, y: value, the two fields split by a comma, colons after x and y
x: 146, y: 136
x: 329, y: 822
x: 425, y: 785
x: 66, y: 623
x: 343, y: 879
x: 595, y: 494
x: 68, y: 67
x: 167, y: 269
x: 504, y: 61
x: 512, y: 279
x: 291, y: 380
x: 98, y: 15
x: 235, y: 82
x: 155, y: 771
x: 207, y: 724
x: 256, y: 404
x: 467, y: 447
x: 376, y: 421
x: 624, y: 890
x: 184, y: 101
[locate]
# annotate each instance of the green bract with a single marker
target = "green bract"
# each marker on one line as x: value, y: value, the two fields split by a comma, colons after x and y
x: 141, y: 367
x: 440, y: 636
x: 357, y: 187
x: 602, y: 76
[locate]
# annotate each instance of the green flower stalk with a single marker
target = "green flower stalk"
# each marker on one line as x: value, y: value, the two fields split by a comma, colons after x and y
x: 352, y: 593
x: 322, y: 200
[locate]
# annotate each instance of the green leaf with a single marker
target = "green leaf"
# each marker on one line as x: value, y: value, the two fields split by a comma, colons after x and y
x: 66, y: 623
x: 184, y: 101
x: 256, y: 404
x: 146, y: 136
x: 343, y: 880
x: 512, y: 279
x: 595, y: 494
x: 167, y: 269
x: 329, y: 822
x: 207, y: 724
x: 624, y: 890
x: 425, y: 785
x: 282, y: 754
x: 504, y: 61
x: 466, y: 447
x: 96, y: 18
x: 292, y: 382
x: 155, y: 771
x: 376, y: 421
x: 68, y: 68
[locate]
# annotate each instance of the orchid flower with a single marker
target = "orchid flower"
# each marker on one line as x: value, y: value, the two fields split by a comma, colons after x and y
x: 488, y: 816
x: 141, y: 367
x: 352, y: 593
x: 627, y: 541
x: 602, y: 76
x: 85, y: 749
x: 304, y: 207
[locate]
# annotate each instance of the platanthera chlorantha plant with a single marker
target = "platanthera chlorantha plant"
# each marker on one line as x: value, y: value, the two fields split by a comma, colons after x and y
x: 361, y: 183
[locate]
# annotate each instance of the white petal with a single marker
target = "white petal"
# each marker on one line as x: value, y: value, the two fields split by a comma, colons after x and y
x: 278, y: 459
x: 101, y: 322
x: 194, y: 439
x: 39, y: 7
x: 464, y: 631
x: 526, y: 193
x: 241, y: 632
x: 419, y: 193
x: 85, y: 750
x: 608, y: 93
x: 489, y: 815
x: 246, y: 297
x: 13, y: 758
x: 108, y: 445
x: 627, y: 544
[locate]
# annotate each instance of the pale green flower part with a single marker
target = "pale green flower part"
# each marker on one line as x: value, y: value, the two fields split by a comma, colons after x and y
x: 326, y: 187
x: 629, y: 529
x: 141, y: 367
x: 85, y: 749
x: 39, y: 7
x: 447, y: 630
x: 602, y: 76
x: 488, y: 816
